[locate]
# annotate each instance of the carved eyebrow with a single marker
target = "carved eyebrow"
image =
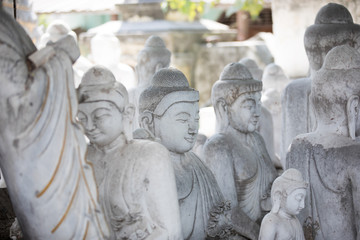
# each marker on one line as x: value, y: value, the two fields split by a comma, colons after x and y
x: 187, y: 114
x: 102, y: 108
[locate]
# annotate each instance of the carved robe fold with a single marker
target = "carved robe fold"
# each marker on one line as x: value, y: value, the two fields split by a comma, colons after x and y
x: 332, y: 206
x: 42, y: 148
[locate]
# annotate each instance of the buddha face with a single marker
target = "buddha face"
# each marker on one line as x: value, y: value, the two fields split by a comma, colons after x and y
x: 295, y: 202
x: 178, y: 127
x: 244, y: 112
x: 103, y: 122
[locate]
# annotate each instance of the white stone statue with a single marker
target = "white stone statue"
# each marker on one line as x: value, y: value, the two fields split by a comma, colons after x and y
x: 333, y: 27
x: 135, y: 177
x: 274, y: 81
x: 57, y: 30
x: 288, y: 194
x: 153, y: 57
x: 106, y: 51
x: 42, y: 149
x: 265, y: 126
x: 237, y: 154
x: 253, y: 68
x: 169, y: 111
x: 328, y: 158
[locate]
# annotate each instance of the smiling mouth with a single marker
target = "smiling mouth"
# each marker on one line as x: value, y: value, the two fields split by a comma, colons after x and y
x: 190, y: 139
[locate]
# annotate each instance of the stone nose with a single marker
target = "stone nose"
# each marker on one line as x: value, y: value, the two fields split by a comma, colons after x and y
x: 193, y: 127
x: 90, y: 125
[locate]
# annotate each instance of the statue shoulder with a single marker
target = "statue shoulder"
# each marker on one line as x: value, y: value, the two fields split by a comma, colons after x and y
x: 149, y: 151
x: 216, y: 143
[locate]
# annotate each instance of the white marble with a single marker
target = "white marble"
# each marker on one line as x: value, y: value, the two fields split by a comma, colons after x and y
x: 274, y: 81
x: 237, y: 149
x: 288, y: 194
x: 106, y: 51
x: 135, y: 177
x: 169, y: 111
x: 333, y: 27
x: 54, y: 32
x: 253, y: 68
x: 328, y: 158
x: 51, y: 185
x: 153, y: 57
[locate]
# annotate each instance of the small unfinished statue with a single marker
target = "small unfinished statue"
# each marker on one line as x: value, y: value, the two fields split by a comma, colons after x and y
x: 288, y: 194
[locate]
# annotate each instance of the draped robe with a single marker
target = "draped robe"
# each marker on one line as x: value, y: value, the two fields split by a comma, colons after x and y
x: 42, y: 149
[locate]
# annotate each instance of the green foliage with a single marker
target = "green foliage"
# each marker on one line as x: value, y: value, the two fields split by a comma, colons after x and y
x: 187, y: 7
x: 192, y: 9
x: 252, y: 6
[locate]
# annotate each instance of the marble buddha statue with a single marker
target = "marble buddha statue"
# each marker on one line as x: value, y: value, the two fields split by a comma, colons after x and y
x: 106, y: 51
x: 135, y: 177
x: 328, y: 158
x: 253, y: 68
x: 56, y: 30
x: 237, y: 154
x: 288, y: 194
x: 153, y: 57
x: 266, y: 122
x: 274, y: 81
x: 42, y: 149
x: 333, y: 26
x: 169, y: 112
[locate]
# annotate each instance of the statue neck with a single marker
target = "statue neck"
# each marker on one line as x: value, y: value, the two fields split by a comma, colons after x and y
x: 333, y: 127
x: 177, y: 156
x: 239, y: 135
x: 119, y: 142
x: 285, y: 215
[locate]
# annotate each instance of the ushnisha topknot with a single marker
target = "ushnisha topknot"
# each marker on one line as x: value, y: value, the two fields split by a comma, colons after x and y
x: 333, y: 26
x: 99, y: 84
x: 289, y: 181
x: 154, y: 42
x: 155, y: 45
x: 333, y: 13
x: 168, y: 86
x: 234, y: 80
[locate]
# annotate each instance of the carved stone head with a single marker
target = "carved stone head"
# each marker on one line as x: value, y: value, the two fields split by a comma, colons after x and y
x: 153, y: 57
x: 104, y: 108
x: 253, y: 68
x: 169, y: 109
x: 288, y: 192
x: 335, y: 90
x: 106, y: 49
x: 236, y: 99
x: 333, y: 26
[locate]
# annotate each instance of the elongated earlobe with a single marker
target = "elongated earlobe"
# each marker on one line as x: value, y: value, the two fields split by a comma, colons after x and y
x: 276, y: 201
x: 352, y: 112
x: 222, y: 120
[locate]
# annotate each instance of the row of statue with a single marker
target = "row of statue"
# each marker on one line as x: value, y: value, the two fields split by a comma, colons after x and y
x: 138, y: 176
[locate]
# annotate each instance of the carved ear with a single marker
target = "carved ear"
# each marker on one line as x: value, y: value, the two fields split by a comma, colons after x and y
x: 146, y: 121
x: 158, y: 67
x: 128, y: 116
x: 352, y: 112
x: 221, y: 110
x: 276, y: 202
